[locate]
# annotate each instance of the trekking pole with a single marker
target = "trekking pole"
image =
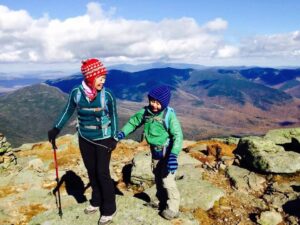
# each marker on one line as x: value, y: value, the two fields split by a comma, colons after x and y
x: 60, y: 213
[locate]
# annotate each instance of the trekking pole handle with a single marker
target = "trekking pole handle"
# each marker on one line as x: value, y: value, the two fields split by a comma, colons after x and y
x: 54, y: 147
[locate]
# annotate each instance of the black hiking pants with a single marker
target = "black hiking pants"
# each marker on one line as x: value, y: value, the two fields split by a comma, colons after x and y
x: 96, y: 159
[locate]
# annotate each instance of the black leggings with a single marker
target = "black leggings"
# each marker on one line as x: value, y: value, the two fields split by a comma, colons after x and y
x: 96, y: 159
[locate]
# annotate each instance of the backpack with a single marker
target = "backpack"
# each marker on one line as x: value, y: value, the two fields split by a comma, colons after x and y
x: 165, y: 118
x: 102, y: 99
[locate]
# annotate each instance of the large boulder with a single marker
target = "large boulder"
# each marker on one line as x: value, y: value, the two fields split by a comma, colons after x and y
x: 284, y: 136
x: 130, y: 210
x: 278, y: 194
x: 141, y: 167
x: 245, y: 180
x: 264, y: 155
x: 191, y: 186
x: 289, y: 138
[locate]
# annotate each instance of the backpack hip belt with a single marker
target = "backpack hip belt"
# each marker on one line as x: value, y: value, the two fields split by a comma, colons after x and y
x: 96, y: 127
x: 159, y: 148
x: 93, y: 109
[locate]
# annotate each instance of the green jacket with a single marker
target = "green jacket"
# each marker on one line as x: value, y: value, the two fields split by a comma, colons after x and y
x: 92, y: 123
x: 155, y: 132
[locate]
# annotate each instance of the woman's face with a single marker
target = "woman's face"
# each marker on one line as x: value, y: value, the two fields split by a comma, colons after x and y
x: 99, y: 82
x: 154, y: 105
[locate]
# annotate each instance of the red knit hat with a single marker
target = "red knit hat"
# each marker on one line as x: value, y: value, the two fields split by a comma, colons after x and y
x: 92, y: 68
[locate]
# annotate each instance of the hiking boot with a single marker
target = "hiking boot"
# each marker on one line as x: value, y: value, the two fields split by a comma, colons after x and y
x: 169, y: 214
x: 106, y: 219
x: 91, y: 209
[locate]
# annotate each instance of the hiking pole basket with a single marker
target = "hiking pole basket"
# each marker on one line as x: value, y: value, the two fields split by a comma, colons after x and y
x: 58, y: 203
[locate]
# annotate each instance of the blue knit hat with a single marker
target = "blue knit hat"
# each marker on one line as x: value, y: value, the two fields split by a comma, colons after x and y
x: 162, y: 94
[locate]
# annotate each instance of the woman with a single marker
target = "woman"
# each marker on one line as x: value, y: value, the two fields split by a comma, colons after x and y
x: 97, y: 131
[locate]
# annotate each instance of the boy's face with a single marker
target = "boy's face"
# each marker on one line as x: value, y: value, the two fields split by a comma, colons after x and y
x: 99, y: 82
x: 155, y: 106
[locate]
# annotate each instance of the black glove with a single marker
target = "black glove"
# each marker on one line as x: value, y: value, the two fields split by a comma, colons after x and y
x: 52, y: 134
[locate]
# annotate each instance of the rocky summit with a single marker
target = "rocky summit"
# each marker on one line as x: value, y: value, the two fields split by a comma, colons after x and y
x: 235, y: 181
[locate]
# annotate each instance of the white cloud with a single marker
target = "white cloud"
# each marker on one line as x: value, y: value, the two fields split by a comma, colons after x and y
x: 9, y: 89
x: 217, y: 24
x: 284, y: 47
x: 227, y: 51
x: 99, y: 33
x: 14, y: 21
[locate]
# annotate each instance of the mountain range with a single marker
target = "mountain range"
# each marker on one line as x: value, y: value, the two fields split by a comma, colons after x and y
x: 27, y: 113
x: 209, y: 102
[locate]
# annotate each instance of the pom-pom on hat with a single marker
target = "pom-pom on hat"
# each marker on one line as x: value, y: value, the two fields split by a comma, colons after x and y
x: 92, y: 68
x: 162, y: 94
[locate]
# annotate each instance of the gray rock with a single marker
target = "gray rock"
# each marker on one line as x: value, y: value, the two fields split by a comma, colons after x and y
x: 142, y: 170
x: 228, y: 140
x: 245, y: 180
x: 186, y: 159
x: 130, y: 210
x: 266, y: 156
x: 28, y: 177
x: 189, y: 172
x: 277, y: 200
x: 36, y: 165
x: 269, y: 218
x: 283, y: 136
x: 194, y: 193
x: 284, y: 188
x: 198, y: 194
x: 293, y: 220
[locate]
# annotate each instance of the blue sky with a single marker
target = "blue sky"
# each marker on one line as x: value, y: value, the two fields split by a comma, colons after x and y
x: 59, y: 34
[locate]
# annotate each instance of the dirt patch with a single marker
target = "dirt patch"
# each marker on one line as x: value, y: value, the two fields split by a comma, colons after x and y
x: 5, y: 191
x: 9, y: 190
x: 29, y: 211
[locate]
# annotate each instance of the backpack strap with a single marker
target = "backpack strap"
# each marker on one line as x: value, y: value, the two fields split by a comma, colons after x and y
x: 103, y: 99
x: 77, y: 97
x: 166, y: 118
x: 144, y: 115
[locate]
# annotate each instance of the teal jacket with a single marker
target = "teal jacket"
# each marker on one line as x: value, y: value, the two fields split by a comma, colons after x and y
x: 155, y: 132
x: 92, y: 122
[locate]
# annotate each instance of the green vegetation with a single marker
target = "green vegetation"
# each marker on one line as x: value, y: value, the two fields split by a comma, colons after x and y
x: 27, y: 114
x: 289, y: 84
x: 238, y: 89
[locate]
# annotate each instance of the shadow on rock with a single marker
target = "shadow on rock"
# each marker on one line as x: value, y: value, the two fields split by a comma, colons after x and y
x: 296, y: 188
x: 253, y: 217
x: 143, y: 196
x: 293, y: 146
x: 74, y: 186
x: 126, y: 171
x: 292, y: 207
x: 117, y: 190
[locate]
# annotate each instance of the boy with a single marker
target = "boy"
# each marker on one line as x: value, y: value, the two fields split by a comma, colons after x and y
x: 162, y: 132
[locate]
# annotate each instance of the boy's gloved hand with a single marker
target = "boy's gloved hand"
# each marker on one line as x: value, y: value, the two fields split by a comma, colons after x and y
x: 172, y: 163
x: 121, y: 135
x: 52, y: 134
